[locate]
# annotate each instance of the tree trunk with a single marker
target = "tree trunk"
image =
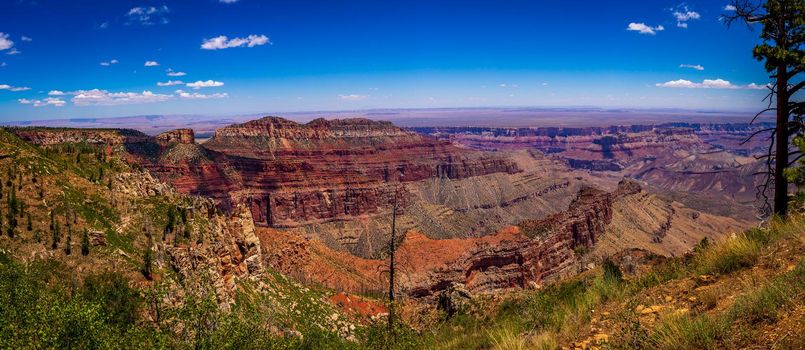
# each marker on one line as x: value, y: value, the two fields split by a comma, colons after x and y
x: 392, y: 249
x: 781, y: 153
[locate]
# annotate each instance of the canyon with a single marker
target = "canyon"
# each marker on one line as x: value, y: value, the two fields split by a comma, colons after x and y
x: 490, y: 209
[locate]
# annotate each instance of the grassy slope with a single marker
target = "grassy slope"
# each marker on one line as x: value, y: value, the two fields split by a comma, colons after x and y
x: 747, y: 291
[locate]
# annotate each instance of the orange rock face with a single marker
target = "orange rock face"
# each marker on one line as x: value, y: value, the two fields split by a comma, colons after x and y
x: 535, y: 251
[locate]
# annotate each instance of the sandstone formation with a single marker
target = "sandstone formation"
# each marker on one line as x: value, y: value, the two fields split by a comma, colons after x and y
x: 291, y: 174
x: 183, y: 136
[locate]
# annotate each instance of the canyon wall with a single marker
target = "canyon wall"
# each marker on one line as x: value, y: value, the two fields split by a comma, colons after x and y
x: 535, y: 252
x: 292, y: 174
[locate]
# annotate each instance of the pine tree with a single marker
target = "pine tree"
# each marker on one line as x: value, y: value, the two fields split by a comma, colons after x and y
x: 68, y: 245
x: 187, y: 229
x: 169, y: 227
x: 148, y: 255
x: 30, y: 225
x: 56, y: 235
x: 781, y: 48
x: 85, y: 243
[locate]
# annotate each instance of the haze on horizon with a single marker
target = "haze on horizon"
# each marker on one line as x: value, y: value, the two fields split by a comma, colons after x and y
x: 87, y: 59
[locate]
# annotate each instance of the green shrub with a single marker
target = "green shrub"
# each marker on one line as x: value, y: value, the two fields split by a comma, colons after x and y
x: 378, y: 336
x: 733, y: 254
x: 611, y: 270
x: 687, y: 332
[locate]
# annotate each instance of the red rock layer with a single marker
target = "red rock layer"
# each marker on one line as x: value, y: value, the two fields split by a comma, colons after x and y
x: 291, y: 174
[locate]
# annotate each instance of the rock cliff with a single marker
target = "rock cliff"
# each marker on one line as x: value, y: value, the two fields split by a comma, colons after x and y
x: 182, y: 136
x: 533, y: 253
x: 291, y: 174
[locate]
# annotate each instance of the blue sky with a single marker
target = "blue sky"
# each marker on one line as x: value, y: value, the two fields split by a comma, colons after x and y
x: 250, y: 56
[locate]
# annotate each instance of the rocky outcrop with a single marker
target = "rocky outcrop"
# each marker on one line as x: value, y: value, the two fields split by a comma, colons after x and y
x: 226, y: 252
x: 206, y: 250
x: 42, y: 136
x: 181, y: 136
x: 133, y: 145
x: 541, y: 250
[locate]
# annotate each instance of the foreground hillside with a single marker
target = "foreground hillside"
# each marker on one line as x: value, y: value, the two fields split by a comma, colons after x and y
x: 95, y: 253
x: 747, y: 291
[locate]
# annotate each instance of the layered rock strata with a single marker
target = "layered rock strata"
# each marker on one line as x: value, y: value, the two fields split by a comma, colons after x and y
x: 535, y: 252
x: 291, y: 174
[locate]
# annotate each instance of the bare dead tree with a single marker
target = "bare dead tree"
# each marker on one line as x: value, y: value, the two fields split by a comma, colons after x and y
x: 782, y: 36
x: 392, y: 251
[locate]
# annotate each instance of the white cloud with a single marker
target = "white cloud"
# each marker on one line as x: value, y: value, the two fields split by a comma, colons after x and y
x: 642, y: 28
x: 170, y: 83
x: 730, y: 8
x: 692, y: 66
x: 754, y: 86
x: 148, y: 15
x: 13, y: 51
x: 172, y: 73
x: 55, y: 101
x: 97, y: 97
x: 25, y: 38
x: 109, y: 63
x: 203, y: 84
x: 151, y: 63
x: 5, y: 43
x: 103, y: 25
x: 708, y: 84
x: 228, y: 1
x: 13, y: 88
x: 683, y: 15
x: 197, y: 96
x: 50, y: 101
x: 353, y: 97
x: 3, y: 64
x: 222, y: 42
x: 56, y: 93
